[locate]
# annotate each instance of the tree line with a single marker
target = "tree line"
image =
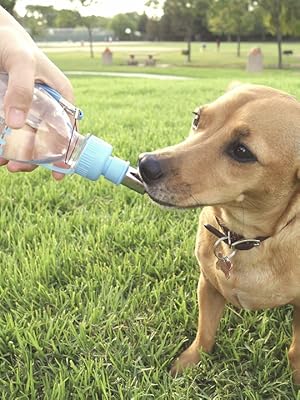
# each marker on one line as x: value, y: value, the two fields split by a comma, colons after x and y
x: 182, y: 20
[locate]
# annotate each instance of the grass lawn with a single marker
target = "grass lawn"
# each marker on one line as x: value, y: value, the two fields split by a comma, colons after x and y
x: 169, y: 54
x: 98, y: 285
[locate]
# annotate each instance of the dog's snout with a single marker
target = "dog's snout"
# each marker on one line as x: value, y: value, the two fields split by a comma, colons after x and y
x: 149, y: 168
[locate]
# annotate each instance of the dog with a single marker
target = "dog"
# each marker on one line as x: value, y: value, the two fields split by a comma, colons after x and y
x: 241, y: 163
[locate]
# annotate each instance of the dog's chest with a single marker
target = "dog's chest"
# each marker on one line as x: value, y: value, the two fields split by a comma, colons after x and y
x: 252, y: 284
x: 254, y: 293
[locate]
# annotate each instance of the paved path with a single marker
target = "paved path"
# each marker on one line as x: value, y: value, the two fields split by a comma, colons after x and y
x: 129, y: 75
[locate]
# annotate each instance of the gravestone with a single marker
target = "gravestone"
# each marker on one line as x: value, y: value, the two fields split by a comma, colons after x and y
x: 132, y: 60
x: 150, y: 60
x: 107, y: 57
x: 255, y: 60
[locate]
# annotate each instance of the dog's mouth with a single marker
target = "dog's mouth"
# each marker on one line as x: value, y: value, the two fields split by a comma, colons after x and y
x: 169, y: 201
x: 162, y: 202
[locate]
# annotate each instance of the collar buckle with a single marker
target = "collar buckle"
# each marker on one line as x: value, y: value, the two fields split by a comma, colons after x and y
x: 246, y: 244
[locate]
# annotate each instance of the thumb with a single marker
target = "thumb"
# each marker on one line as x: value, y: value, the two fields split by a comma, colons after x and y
x: 19, y: 94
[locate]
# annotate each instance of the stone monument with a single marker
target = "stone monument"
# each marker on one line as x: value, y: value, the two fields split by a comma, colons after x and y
x: 255, y: 60
x: 107, y: 57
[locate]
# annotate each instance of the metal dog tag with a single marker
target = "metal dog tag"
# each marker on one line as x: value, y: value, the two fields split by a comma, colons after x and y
x: 224, y: 261
x: 224, y: 264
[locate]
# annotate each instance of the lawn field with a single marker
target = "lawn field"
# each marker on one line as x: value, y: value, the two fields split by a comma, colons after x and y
x: 168, y: 54
x: 98, y: 285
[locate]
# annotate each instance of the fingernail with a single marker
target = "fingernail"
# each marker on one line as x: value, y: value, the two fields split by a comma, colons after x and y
x: 15, y: 118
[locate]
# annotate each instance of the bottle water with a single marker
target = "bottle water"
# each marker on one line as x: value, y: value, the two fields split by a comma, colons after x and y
x: 49, y: 139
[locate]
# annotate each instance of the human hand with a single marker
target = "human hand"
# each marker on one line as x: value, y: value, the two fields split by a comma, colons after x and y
x: 25, y: 63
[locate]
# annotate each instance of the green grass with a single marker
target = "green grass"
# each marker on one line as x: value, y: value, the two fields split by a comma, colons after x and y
x: 169, y: 54
x: 98, y: 285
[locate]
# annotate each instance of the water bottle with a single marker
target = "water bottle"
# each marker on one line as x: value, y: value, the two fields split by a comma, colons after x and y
x: 50, y: 139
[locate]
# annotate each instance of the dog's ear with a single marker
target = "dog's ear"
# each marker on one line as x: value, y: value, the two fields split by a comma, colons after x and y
x: 233, y: 84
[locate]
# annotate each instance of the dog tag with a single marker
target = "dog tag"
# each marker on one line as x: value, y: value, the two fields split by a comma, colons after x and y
x: 225, y: 265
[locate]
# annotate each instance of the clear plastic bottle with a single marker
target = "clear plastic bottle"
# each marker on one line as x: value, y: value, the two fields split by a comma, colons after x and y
x: 49, y: 139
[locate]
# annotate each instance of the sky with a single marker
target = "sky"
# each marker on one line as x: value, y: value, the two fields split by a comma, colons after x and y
x: 104, y: 8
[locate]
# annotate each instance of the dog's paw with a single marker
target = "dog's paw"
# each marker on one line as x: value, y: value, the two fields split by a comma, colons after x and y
x: 296, y: 377
x: 294, y: 361
x: 189, y: 358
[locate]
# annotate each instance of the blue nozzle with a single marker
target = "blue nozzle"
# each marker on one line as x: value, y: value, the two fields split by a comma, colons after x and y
x: 96, y: 160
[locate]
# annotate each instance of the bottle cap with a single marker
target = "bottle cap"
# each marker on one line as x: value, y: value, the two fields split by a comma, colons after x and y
x: 96, y: 160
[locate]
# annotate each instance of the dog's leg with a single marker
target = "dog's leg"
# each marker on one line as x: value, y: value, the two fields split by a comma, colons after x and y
x: 294, y: 351
x: 211, y: 305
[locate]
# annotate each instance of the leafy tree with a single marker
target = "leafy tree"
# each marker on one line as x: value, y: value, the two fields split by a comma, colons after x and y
x: 181, y: 19
x: 8, y: 5
x: 231, y: 17
x: 153, y: 29
x: 38, y: 18
x: 281, y: 17
x: 47, y: 14
x: 142, y: 24
x: 125, y: 25
x: 165, y: 28
x: 90, y: 23
x: 185, y: 19
x: 67, y: 19
x: 258, y: 28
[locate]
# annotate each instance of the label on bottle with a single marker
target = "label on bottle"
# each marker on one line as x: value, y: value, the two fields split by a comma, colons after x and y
x: 4, y: 130
x: 2, y: 126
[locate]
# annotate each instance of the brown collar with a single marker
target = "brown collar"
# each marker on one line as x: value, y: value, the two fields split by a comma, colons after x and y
x: 232, y: 239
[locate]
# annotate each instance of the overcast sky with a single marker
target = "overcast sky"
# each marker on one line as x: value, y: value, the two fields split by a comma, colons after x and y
x: 105, y: 8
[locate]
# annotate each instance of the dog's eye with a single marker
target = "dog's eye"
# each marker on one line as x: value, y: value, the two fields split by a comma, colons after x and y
x: 239, y: 152
x: 196, y: 119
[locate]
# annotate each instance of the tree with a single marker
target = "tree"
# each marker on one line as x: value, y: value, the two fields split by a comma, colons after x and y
x: 125, y: 25
x: 185, y: 19
x: 231, y: 17
x: 90, y: 23
x: 8, y: 5
x: 281, y: 17
x: 142, y: 24
x: 153, y: 29
x: 67, y: 19
x: 37, y: 18
x: 259, y: 30
x: 47, y: 14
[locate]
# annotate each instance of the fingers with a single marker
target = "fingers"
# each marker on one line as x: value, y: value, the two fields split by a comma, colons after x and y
x: 57, y: 176
x: 14, y: 166
x: 19, y: 92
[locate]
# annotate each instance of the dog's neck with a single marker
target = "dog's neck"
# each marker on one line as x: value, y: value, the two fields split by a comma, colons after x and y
x: 251, y: 223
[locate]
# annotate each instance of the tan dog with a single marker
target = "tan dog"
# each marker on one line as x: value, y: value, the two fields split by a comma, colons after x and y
x: 242, y: 162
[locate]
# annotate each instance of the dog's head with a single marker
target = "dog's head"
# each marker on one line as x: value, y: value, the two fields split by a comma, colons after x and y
x: 243, y: 147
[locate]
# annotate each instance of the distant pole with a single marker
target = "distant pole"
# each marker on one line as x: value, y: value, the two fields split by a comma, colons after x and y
x: 189, y: 50
x: 189, y: 31
x: 91, y: 42
x: 278, y: 32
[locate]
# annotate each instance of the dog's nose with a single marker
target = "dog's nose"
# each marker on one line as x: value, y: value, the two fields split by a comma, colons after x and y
x: 149, y: 168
